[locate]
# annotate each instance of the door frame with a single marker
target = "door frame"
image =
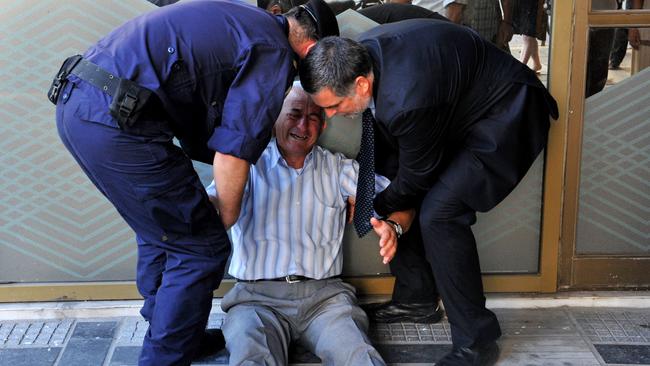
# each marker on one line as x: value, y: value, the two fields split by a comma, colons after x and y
x: 581, y: 271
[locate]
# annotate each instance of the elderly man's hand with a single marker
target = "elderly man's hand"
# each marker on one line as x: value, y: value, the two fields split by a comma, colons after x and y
x: 350, y: 208
x: 387, y: 239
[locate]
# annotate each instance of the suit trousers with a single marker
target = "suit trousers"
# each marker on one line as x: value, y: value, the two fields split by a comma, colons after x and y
x: 498, y: 151
x: 414, y: 281
x: 182, y: 245
x: 322, y: 315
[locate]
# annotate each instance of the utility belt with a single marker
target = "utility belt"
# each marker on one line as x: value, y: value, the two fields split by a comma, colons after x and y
x: 129, y: 98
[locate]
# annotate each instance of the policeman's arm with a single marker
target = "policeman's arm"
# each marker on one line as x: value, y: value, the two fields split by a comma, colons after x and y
x: 230, y: 177
x: 253, y: 103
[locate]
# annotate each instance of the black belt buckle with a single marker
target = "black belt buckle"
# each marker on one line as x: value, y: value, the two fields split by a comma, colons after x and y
x: 294, y: 278
x: 128, y: 103
x: 61, y: 78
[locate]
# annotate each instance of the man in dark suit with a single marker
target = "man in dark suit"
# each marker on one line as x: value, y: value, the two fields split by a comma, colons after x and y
x: 466, y: 120
x: 415, y: 297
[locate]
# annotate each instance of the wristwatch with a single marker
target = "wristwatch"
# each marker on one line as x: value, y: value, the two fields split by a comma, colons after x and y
x: 398, y: 228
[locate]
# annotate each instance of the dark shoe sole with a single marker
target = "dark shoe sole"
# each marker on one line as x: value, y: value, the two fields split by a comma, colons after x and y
x: 430, y: 319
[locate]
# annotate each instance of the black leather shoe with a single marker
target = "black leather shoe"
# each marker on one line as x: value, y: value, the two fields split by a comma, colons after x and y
x: 485, y: 355
x: 211, y: 343
x: 394, y: 312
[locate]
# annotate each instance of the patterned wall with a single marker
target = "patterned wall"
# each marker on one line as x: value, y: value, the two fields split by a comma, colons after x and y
x: 614, y: 206
x: 55, y: 226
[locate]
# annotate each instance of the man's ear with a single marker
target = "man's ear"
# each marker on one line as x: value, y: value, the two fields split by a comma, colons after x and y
x: 275, y: 9
x: 363, y: 85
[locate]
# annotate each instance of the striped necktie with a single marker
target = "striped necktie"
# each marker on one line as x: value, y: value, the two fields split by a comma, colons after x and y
x: 366, y: 183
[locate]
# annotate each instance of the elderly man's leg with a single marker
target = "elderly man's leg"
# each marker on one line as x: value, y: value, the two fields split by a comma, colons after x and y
x: 337, y: 331
x: 255, y: 335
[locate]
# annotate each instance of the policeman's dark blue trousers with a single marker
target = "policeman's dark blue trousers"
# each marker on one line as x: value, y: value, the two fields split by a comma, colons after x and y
x: 495, y: 156
x: 182, y: 245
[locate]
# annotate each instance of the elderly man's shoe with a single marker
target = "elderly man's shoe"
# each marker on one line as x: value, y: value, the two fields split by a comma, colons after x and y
x: 211, y: 343
x: 394, y: 312
x: 484, y: 355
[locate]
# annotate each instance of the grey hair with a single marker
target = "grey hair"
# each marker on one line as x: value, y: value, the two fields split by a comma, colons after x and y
x: 334, y: 62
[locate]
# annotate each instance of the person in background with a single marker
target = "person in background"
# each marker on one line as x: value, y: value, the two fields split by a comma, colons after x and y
x: 640, y: 41
x: 619, y: 47
x: 600, y: 45
x: 485, y: 17
x: 529, y: 20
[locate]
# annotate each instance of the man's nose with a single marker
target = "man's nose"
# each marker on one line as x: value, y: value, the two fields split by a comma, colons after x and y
x: 302, y: 122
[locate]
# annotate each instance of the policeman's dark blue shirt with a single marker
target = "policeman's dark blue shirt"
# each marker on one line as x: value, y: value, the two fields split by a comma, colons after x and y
x: 219, y: 68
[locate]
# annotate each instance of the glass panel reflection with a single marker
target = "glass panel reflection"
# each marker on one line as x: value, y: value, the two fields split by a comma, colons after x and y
x: 614, y: 199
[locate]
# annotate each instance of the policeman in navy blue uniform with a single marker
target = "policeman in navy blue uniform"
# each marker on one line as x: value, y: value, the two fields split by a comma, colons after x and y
x: 218, y: 72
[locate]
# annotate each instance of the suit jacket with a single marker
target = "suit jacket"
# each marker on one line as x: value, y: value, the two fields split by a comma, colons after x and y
x: 394, y: 12
x: 433, y: 81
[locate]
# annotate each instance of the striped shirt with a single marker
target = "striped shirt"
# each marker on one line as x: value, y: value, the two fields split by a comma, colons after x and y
x: 292, y: 220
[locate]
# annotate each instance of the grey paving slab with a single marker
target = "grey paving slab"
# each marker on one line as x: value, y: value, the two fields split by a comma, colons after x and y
x: 125, y: 356
x: 29, y: 356
x: 41, y: 333
x: 94, y: 330
x: 536, y: 322
x: 545, y: 350
x: 85, y: 352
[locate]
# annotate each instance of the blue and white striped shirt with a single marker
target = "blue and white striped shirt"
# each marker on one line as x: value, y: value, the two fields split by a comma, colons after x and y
x: 292, y: 220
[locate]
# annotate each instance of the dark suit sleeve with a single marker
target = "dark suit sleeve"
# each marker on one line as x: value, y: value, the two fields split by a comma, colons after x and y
x: 420, y: 136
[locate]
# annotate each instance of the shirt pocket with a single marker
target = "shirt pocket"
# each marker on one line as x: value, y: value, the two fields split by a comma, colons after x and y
x: 180, y: 84
x: 326, y: 221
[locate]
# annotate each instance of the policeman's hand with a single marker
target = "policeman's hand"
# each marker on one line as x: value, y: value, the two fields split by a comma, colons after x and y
x: 387, y: 239
x: 634, y: 37
x: 350, y: 208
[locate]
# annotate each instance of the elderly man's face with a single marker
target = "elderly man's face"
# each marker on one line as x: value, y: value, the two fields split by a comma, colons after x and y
x: 299, y: 125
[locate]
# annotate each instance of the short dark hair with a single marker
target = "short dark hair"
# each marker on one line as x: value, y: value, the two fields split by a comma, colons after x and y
x: 334, y: 62
x: 304, y: 20
x: 285, y: 5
